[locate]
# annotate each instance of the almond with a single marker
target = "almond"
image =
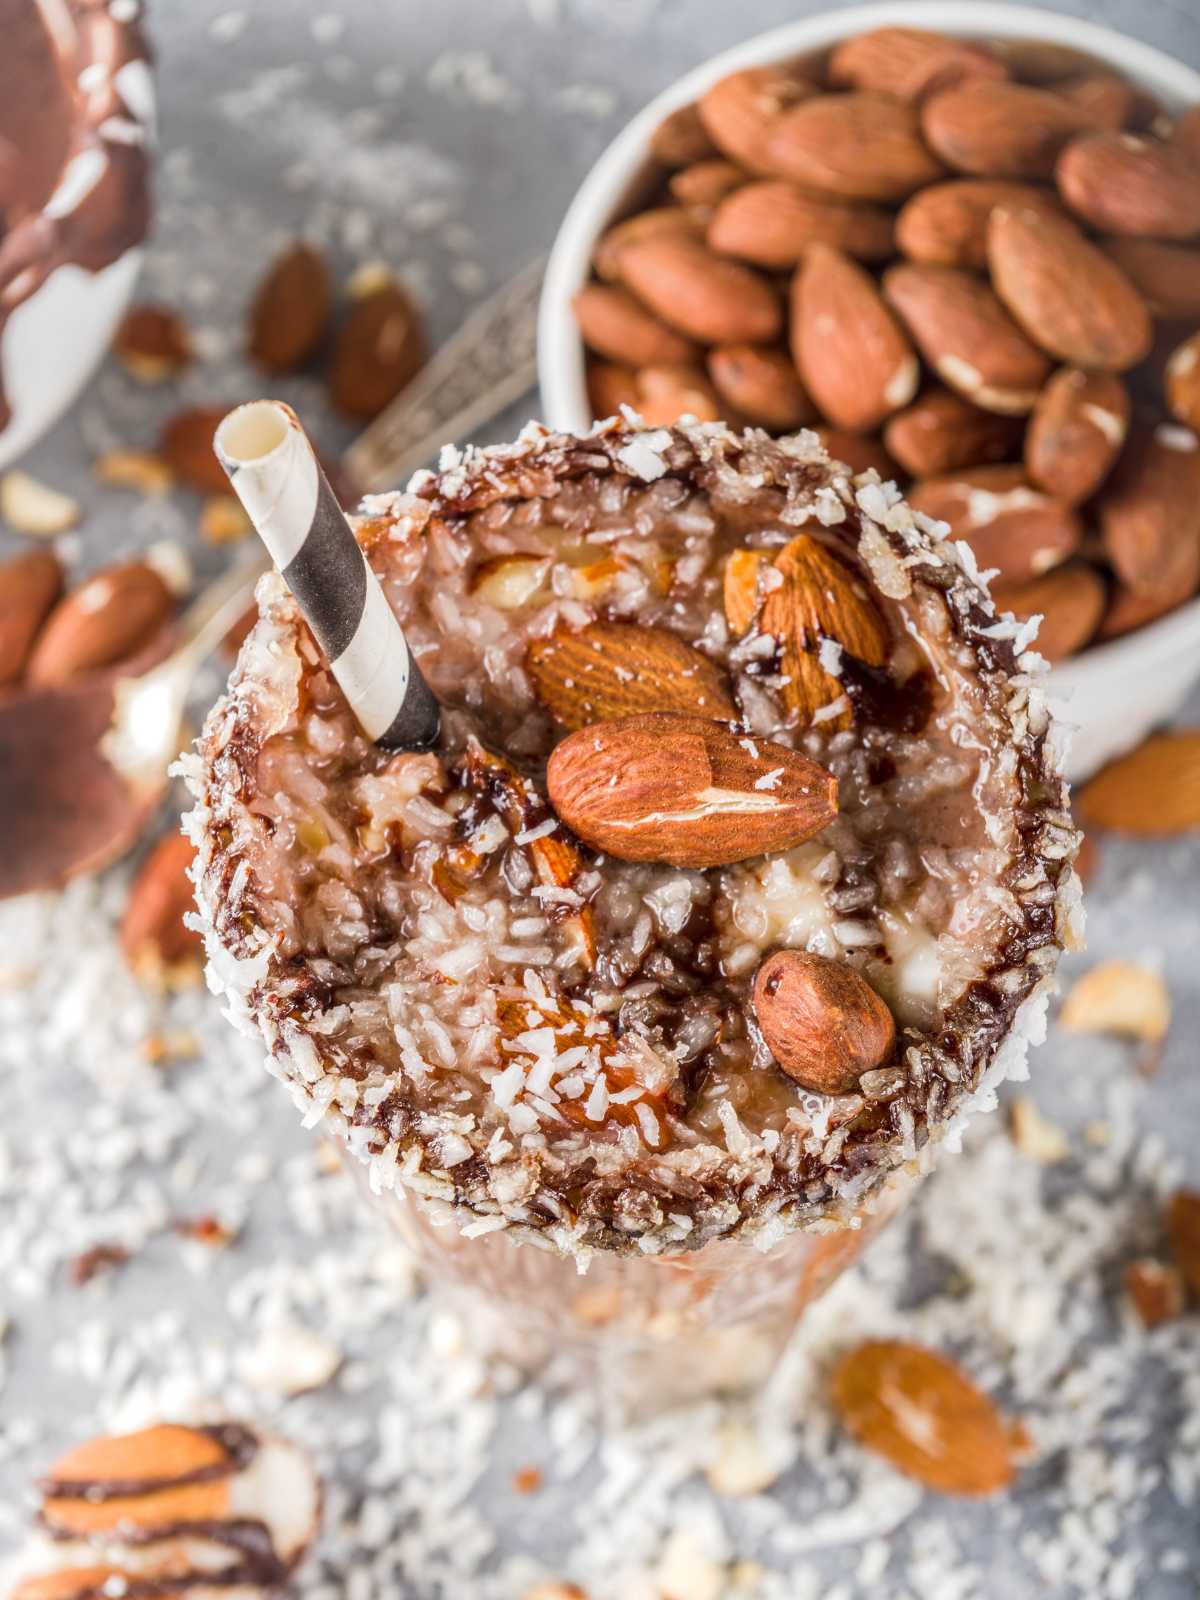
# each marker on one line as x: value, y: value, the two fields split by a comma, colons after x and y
x: 822, y: 1022
x: 610, y: 386
x: 858, y: 146
x: 701, y: 294
x: 1107, y: 101
x: 84, y: 1583
x: 29, y: 586
x: 1183, y: 1235
x: 1076, y: 432
x: 941, y: 432
x: 761, y: 385
x: 153, y: 935
x: 743, y: 569
x: 378, y: 348
x: 1130, y: 609
x: 223, y: 520
x: 1001, y: 130
x: 1009, y: 524
x: 946, y: 225
x: 1127, y: 184
x: 290, y: 312
x: 186, y: 445
x: 1034, y: 1134
x: 854, y: 357
x: 923, y: 1414
x: 34, y: 508
x: 140, y: 470
x: 617, y: 669
x: 1070, y: 297
x: 664, y: 394
x: 1121, y: 998
x: 616, y: 325
x: 820, y: 598
x: 112, y: 615
x: 153, y: 343
x: 1167, y: 276
x: 1155, y: 1291
x: 705, y: 183
x: 967, y: 336
x: 861, y: 452
x: 772, y: 223
x: 1043, y: 61
x: 174, y: 1475
x: 1070, y: 601
x: 909, y: 63
x: 1155, y: 789
x: 1183, y: 383
x: 686, y: 791
x: 681, y: 138
x: 1150, y: 509
x: 740, y: 111
x: 512, y: 581
x: 606, y: 258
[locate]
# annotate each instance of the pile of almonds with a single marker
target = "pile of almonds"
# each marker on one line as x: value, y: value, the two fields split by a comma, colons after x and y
x: 974, y: 267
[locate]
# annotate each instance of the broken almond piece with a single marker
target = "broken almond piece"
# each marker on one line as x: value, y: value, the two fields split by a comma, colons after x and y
x: 608, y: 670
x: 1155, y: 1291
x: 1154, y: 790
x: 223, y: 520
x: 510, y: 582
x: 139, y: 470
x: 34, y: 508
x: 742, y: 571
x: 1118, y: 997
x: 1183, y: 1235
x: 923, y: 1414
x: 823, y: 1023
x: 152, y: 343
x: 1034, y: 1134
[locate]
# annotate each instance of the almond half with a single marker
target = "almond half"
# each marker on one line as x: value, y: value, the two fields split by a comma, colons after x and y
x: 686, y: 791
x: 617, y: 669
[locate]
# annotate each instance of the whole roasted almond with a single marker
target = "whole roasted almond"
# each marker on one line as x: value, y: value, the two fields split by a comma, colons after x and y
x: 762, y: 385
x: 1106, y: 100
x: 1167, y: 276
x: 967, y: 336
x: 820, y: 598
x: 615, y: 324
x: 1001, y: 130
x: 110, y: 616
x: 1076, y: 432
x: 686, y: 791
x: 946, y: 225
x: 1155, y: 1291
x: 701, y: 294
x: 1071, y: 298
x: 610, y: 385
x: 664, y: 394
x: 706, y: 183
x: 606, y: 257
x: 186, y: 445
x: 29, y: 586
x: 941, y: 432
x: 1150, y: 509
x: 822, y: 1022
x: 740, y: 111
x: 1155, y: 789
x: 923, y: 1414
x: 681, y: 138
x: 1070, y: 601
x: 1009, y: 524
x: 772, y: 223
x: 861, y: 452
x: 909, y: 63
x: 855, y: 359
x: 153, y: 935
x: 1183, y: 383
x: 857, y: 146
x: 1127, y: 184
x: 617, y: 669
x: 290, y: 313
x: 152, y: 343
x: 377, y: 349
x: 1183, y: 1235
x: 175, y: 1475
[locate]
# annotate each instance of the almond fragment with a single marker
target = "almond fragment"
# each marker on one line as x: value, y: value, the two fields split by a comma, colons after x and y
x: 378, y: 348
x: 1034, y: 1134
x: 1070, y: 601
x: 822, y: 1022
x: 941, y: 433
x: 909, y: 63
x: 705, y: 183
x: 140, y: 470
x: 1167, y: 276
x: 743, y: 569
x: 740, y: 111
x: 1183, y: 1235
x: 1155, y: 1291
x: 923, y: 1414
x: 1128, y: 184
x: 681, y: 138
x: 686, y: 791
x: 701, y: 294
x: 1118, y: 997
x: 1009, y: 524
x: 1001, y: 130
x: 772, y: 224
x: 1068, y: 296
x: 616, y: 669
x: 1150, y: 510
x: 154, y: 939
x: 29, y: 586
x: 616, y: 325
x: 761, y: 385
x: 1155, y: 789
x: 113, y: 614
x: 859, y: 146
x: 187, y: 447
x: 946, y: 224
x: 510, y: 582
x: 152, y: 343
x: 34, y: 508
x: 1183, y: 382
x: 1076, y: 432
x: 223, y: 520
x: 290, y: 311
x: 820, y: 598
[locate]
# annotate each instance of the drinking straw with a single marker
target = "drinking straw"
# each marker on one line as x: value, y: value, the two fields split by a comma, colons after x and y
x: 276, y: 476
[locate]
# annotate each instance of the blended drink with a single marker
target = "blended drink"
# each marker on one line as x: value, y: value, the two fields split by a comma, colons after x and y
x: 734, y: 880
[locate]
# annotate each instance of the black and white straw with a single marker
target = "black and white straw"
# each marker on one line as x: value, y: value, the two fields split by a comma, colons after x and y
x: 276, y: 476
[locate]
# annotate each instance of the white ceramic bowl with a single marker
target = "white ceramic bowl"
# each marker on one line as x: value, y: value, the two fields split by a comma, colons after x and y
x: 1113, y: 694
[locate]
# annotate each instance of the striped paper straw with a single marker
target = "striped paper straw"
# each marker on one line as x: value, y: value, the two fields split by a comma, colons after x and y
x: 275, y: 475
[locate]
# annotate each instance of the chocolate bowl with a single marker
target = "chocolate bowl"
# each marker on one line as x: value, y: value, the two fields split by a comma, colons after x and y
x: 550, y: 1048
x: 76, y: 118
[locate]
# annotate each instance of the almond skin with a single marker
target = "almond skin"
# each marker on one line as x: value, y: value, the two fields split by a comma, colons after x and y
x: 186, y: 444
x: 1185, y: 135
x: 1183, y: 382
x: 615, y: 325
x: 290, y: 313
x: 1009, y: 524
x: 856, y: 146
x: 1076, y: 432
x: 681, y: 138
x: 923, y: 1414
x: 740, y: 111
x: 941, y: 432
x: 686, y: 791
x: 1124, y: 183
x: 1156, y: 1292
x: 854, y: 357
x: 152, y: 343
x: 946, y: 225
x: 1183, y: 1235
x: 112, y: 615
x: 377, y: 350
x: 1001, y: 130
x: 824, y: 1024
x: 1154, y: 790
x: 1070, y: 601
x: 1069, y: 296
x: 606, y: 257
x: 706, y: 183
x: 664, y: 394
x: 29, y: 586
x: 761, y: 385
x: 1167, y: 276
x: 153, y: 936
x: 610, y: 385
x: 701, y: 294
x: 1130, y: 609
x: 618, y: 669
x: 967, y: 336
x: 772, y: 223
x: 909, y: 63
x: 861, y: 452
x: 1150, y: 509
x: 1106, y: 100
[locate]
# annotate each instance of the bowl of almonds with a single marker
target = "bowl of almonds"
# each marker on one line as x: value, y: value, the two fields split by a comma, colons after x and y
x: 962, y: 244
